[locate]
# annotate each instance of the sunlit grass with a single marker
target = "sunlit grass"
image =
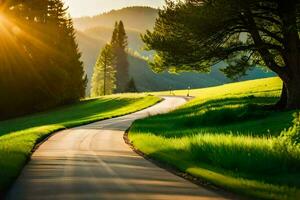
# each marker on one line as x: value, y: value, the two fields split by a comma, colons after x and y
x: 267, y: 87
x: 230, y: 137
x: 19, y: 136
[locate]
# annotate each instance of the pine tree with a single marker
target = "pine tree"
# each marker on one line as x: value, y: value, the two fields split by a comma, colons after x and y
x: 77, y: 78
x: 122, y: 37
x: 40, y: 63
x: 68, y: 60
x: 103, y: 81
x: 114, y: 38
x: 119, y: 43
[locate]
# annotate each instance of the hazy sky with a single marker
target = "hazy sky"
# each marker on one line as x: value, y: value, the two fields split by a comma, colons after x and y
x: 92, y: 7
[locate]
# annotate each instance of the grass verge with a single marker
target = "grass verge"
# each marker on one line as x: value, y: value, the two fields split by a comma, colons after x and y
x: 229, y: 137
x: 19, y: 136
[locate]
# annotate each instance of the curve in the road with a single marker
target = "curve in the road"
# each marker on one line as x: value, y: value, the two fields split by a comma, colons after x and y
x: 93, y: 162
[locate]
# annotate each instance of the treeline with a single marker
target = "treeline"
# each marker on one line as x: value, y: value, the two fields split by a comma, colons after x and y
x: 111, y: 69
x: 40, y: 63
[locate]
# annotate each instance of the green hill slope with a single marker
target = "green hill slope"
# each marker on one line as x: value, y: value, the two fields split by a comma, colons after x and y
x: 229, y: 137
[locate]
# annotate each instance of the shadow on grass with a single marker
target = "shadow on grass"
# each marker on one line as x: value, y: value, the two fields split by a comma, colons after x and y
x: 238, y: 116
x: 282, y: 185
x: 65, y: 114
x: 231, y: 142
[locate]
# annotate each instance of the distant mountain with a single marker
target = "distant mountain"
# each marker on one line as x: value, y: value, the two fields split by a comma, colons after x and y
x: 139, y: 18
x: 94, y: 32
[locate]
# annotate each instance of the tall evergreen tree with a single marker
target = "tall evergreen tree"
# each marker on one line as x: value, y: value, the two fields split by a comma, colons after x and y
x: 114, y: 38
x: 122, y: 37
x: 119, y: 43
x: 104, y: 81
x: 68, y: 59
x: 40, y: 62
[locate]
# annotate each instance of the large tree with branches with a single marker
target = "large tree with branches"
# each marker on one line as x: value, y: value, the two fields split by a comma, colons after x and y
x: 196, y: 34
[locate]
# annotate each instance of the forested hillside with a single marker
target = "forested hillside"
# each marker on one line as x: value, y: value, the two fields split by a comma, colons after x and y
x: 94, y: 32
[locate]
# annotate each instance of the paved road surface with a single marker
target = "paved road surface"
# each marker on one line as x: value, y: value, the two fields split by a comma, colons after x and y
x: 93, y: 162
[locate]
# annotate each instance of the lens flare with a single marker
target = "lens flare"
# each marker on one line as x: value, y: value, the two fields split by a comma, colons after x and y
x: 12, y: 28
x: 1, y: 20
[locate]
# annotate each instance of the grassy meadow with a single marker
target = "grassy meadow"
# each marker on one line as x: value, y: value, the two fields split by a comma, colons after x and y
x: 229, y: 136
x: 19, y: 136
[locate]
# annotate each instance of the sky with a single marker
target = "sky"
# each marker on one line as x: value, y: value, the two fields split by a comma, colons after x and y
x: 78, y: 8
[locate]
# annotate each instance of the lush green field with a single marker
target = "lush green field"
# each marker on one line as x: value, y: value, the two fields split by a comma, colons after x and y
x: 19, y: 136
x: 230, y: 137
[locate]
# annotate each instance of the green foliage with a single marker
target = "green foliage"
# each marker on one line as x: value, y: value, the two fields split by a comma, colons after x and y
x: 229, y: 136
x: 237, y: 68
x: 292, y: 136
x: 19, y: 136
x: 39, y: 59
x: 289, y: 140
x: 250, y: 33
x: 225, y: 29
x: 104, y: 80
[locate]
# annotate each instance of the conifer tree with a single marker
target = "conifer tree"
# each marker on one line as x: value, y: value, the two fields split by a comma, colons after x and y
x: 104, y: 81
x: 122, y: 37
x: 119, y: 43
x: 114, y: 38
x: 68, y: 59
x: 39, y: 58
x: 77, y: 78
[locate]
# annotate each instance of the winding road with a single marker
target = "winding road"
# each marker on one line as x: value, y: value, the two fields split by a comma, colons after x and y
x: 93, y: 162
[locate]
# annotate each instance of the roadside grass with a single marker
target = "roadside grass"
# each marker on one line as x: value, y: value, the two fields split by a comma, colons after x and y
x: 19, y: 136
x: 230, y: 137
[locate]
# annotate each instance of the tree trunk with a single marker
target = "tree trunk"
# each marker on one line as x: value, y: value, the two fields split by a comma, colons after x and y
x: 281, y: 104
x: 293, y: 93
x: 288, y: 14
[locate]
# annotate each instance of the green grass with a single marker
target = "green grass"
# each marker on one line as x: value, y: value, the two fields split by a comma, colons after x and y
x: 230, y: 137
x: 261, y: 87
x: 19, y: 136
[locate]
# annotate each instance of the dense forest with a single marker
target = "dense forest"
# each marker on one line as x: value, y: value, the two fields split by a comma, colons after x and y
x: 40, y: 63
